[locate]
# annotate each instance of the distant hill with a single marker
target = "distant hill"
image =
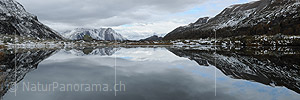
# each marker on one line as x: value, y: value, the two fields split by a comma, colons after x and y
x: 152, y: 38
x: 263, y: 17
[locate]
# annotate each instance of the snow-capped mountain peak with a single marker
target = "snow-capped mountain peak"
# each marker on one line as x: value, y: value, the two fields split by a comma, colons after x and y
x: 99, y: 34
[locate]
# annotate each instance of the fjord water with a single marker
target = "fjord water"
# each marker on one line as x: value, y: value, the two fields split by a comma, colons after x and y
x: 155, y: 73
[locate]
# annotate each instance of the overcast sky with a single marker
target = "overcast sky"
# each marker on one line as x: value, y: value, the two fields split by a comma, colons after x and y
x: 133, y: 19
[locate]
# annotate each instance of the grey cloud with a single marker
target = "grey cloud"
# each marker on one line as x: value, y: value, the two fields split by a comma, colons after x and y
x: 83, y: 12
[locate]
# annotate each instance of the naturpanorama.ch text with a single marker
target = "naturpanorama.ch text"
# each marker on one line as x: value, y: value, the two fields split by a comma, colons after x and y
x: 56, y: 86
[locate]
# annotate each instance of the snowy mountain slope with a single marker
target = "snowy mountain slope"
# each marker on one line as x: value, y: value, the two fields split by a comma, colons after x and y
x: 15, y: 19
x: 254, y: 18
x: 182, y: 29
x: 98, y: 34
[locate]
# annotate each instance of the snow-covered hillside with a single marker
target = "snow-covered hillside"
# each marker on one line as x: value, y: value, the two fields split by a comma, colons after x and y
x: 15, y: 20
x: 255, y: 18
x: 98, y: 34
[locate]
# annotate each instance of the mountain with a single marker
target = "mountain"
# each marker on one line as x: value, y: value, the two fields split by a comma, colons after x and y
x: 152, y: 38
x: 98, y: 34
x: 15, y: 20
x: 263, y: 17
x: 269, y: 66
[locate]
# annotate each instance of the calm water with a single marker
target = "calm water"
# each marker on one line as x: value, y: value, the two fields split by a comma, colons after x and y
x: 151, y: 73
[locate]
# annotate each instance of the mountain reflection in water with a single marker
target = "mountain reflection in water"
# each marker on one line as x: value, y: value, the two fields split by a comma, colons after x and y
x: 16, y: 64
x: 268, y: 65
x: 271, y: 66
